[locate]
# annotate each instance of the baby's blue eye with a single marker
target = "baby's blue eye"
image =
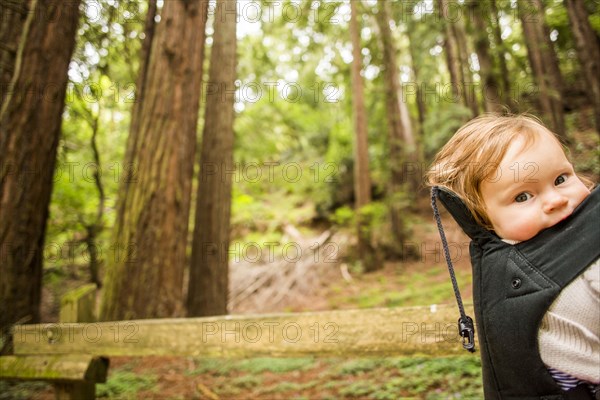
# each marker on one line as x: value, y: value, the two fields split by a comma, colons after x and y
x: 522, y: 197
x: 561, y: 179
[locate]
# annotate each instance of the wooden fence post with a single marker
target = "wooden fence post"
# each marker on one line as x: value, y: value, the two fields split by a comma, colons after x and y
x: 78, y: 305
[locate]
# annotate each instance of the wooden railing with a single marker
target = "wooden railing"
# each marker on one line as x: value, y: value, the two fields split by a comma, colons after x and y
x: 74, y: 356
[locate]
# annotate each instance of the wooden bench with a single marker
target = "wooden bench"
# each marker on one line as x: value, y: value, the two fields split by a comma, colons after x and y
x: 78, y: 352
x: 74, y: 376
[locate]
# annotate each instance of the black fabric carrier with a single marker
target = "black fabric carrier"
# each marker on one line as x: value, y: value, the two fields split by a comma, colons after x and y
x: 513, y: 287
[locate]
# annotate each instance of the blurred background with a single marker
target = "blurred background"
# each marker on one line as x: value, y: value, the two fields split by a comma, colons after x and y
x: 196, y: 158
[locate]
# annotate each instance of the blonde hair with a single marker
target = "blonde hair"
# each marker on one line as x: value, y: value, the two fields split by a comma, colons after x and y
x: 474, y: 153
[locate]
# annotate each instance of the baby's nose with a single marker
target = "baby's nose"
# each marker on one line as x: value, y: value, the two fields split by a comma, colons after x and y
x: 554, y: 202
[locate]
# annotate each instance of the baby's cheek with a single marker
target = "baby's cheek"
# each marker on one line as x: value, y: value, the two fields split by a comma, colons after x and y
x: 520, y: 228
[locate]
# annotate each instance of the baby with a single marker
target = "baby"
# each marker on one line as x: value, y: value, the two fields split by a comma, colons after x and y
x: 515, y: 179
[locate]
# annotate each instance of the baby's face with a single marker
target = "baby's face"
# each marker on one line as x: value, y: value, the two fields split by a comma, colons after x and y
x: 533, y: 189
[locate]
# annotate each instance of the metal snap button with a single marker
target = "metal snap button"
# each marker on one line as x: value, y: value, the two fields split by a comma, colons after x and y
x: 516, y: 283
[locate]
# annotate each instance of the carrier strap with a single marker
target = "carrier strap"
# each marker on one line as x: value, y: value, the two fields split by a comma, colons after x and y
x: 466, y: 327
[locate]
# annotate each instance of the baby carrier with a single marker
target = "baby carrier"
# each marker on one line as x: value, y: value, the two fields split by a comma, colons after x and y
x: 513, y: 287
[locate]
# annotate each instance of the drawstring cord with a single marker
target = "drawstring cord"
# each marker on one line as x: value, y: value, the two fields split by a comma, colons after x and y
x: 465, y: 323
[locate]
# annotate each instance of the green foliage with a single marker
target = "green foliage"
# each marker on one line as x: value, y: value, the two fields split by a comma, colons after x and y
x: 358, y: 366
x: 99, y: 98
x: 405, y: 377
x: 290, y: 387
x: 375, y: 213
x: 359, y: 389
x: 441, y: 126
x: 222, y: 367
x: 121, y: 383
x: 245, y: 382
x: 343, y: 216
x: 275, y: 365
x: 20, y: 390
x: 213, y: 366
x: 430, y: 286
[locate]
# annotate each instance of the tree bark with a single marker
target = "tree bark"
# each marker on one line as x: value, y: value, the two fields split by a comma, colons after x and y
x: 451, y: 50
x: 362, y: 180
x: 588, y: 51
x: 145, y: 277
x: 14, y: 14
x: 421, y: 106
x: 501, y: 54
x: 469, y: 92
x: 544, y: 64
x: 30, y: 126
x: 208, y: 283
x: 401, y: 143
x: 94, y: 228
x: 455, y: 51
x: 145, y: 52
x: 490, y: 87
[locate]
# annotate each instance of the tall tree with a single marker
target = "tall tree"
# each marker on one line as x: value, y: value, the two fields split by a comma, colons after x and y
x: 456, y: 54
x: 208, y: 283
x: 458, y: 29
x: 362, y: 179
x: 14, y: 14
x: 30, y: 125
x: 145, y: 278
x: 500, y: 50
x: 490, y: 87
x: 401, y: 142
x: 145, y: 52
x: 421, y: 108
x: 544, y: 64
x: 411, y: 25
x: 588, y: 51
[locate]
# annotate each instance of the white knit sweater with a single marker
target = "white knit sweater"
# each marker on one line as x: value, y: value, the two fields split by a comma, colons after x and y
x: 569, y: 335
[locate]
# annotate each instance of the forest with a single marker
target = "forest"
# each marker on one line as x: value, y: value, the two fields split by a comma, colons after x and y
x: 197, y: 158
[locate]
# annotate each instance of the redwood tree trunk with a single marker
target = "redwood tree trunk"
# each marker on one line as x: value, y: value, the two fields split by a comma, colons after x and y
x: 588, y: 51
x: 490, y: 87
x: 501, y: 54
x: 544, y: 64
x: 145, y: 278
x: 14, y: 15
x: 30, y: 125
x: 362, y: 180
x: 455, y: 50
x: 208, y: 284
x: 401, y: 143
x: 451, y: 50
x: 469, y: 92
x: 145, y: 52
x: 416, y: 68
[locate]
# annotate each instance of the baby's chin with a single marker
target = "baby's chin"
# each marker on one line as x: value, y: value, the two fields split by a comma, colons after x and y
x: 517, y: 239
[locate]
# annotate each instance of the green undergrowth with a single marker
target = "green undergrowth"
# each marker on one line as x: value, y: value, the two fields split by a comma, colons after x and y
x: 223, y: 367
x: 124, y: 384
x: 420, y: 288
x: 314, y: 378
x: 334, y: 378
x: 20, y: 390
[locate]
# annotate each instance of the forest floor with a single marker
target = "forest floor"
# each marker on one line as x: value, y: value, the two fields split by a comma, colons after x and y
x: 420, y: 281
